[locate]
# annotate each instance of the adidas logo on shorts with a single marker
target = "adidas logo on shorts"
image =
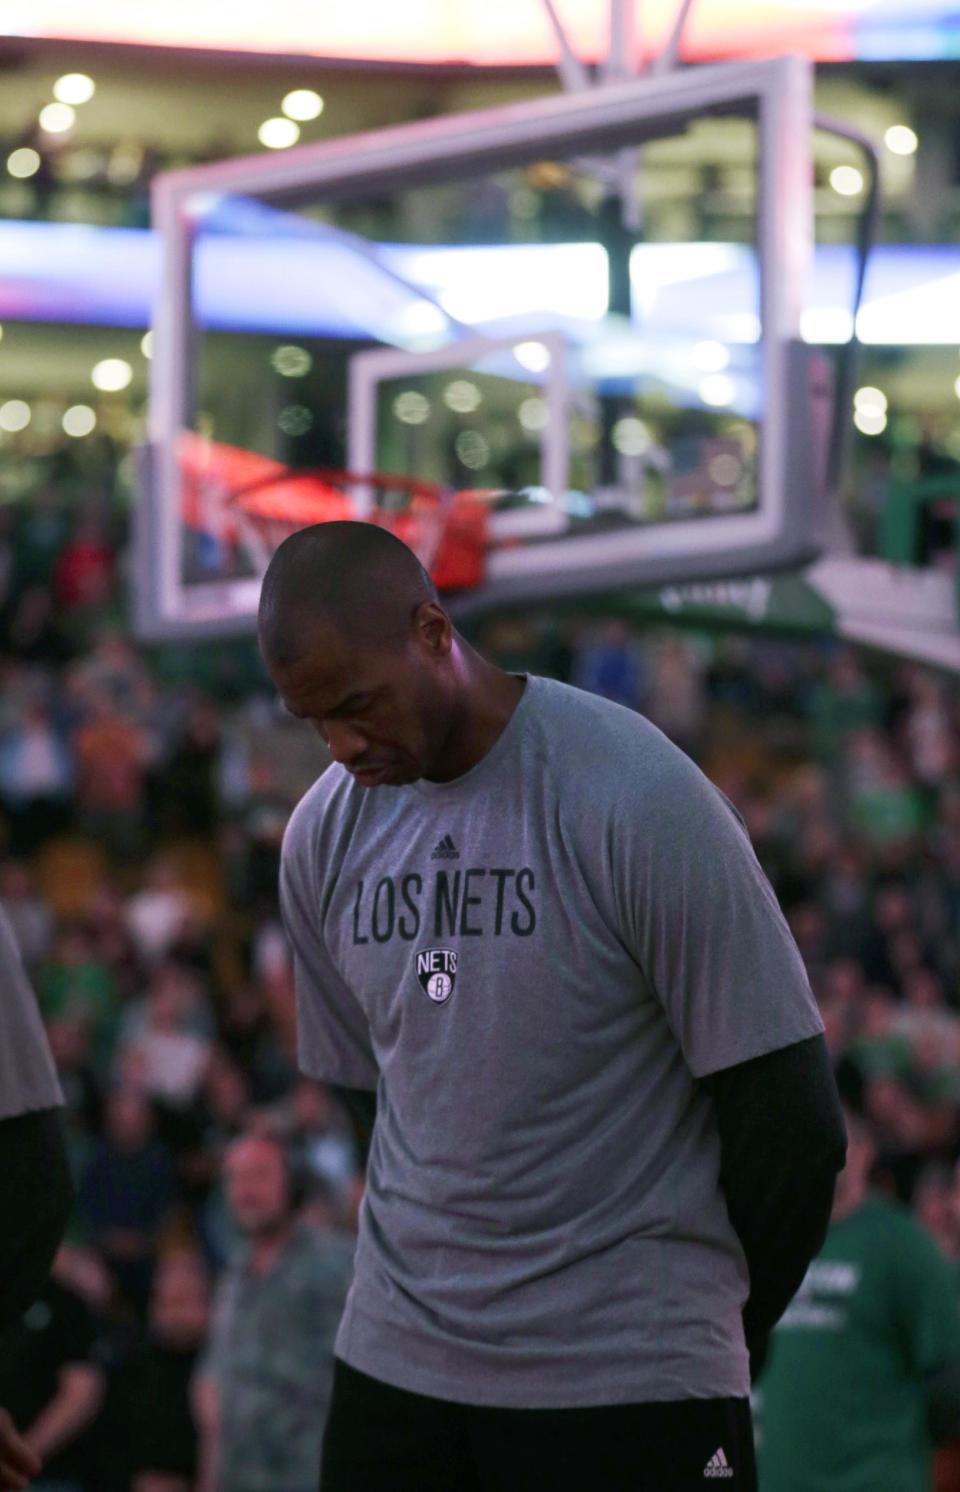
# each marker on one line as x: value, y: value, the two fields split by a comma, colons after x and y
x: 718, y: 1466
x: 446, y: 850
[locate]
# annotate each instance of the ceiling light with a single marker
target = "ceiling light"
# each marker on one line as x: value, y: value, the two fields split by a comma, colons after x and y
x: 23, y: 162
x: 846, y: 181
x: 533, y: 356
x: 79, y: 420
x: 111, y: 375
x: 870, y: 400
x: 291, y: 361
x: 631, y: 437
x: 462, y: 396
x: 900, y: 139
x: 278, y: 134
x: 302, y: 104
x: 710, y: 357
x: 74, y: 88
x: 717, y: 390
x: 56, y: 119
x: 869, y: 421
x: 533, y: 415
x: 473, y: 451
x: 14, y: 415
x: 411, y: 408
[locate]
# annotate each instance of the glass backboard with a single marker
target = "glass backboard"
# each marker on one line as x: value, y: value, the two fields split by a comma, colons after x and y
x: 487, y: 303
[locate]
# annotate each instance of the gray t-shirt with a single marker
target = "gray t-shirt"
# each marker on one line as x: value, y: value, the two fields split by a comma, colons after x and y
x: 28, y: 1078
x: 533, y: 965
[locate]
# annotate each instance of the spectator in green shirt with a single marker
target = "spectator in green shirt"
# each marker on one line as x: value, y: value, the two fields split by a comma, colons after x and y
x: 75, y: 984
x: 863, y: 1376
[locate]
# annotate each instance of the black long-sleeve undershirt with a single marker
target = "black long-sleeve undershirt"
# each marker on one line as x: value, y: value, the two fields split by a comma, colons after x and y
x: 361, y: 1105
x: 36, y: 1194
x: 782, y: 1145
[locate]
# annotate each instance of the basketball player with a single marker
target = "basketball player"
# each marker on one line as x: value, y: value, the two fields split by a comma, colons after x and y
x: 35, y: 1188
x: 530, y: 931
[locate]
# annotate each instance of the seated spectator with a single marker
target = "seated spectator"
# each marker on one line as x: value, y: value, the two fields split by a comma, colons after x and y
x: 156, y: 914
x: 70, y: 1044
x: 84, y: 571
x: 886, y: 807
x: 113, y: 673
x: 930, y: 734
x: 251, y: 1036
x: 40, y: 531
x: 36, y: 776
x: 879, y: 1048
x: 842, y: 702
x: 27, y: 912
x: 52, y: 1381
x: 186, y: 786
x: 613, y: 667
x: 126, y: 1192
x: 676, y: 700
x: 933, y: 1207
x: 226, y: 1093
x: 177, y: 987
x: 161, y: 1051
x: 149, y: 1435
x: 34, y: 633
x: 322, y: 1141
x: 112, y: 754
x: 76, y: 985
x: 105, y: 925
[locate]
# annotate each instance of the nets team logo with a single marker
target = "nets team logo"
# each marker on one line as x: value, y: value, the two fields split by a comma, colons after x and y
x: 437, y: 973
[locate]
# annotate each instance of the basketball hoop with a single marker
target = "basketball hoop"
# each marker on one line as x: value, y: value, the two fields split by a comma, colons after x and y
x: 274, y: 507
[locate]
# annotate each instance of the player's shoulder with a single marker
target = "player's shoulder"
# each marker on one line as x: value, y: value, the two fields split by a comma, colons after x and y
x: 615, y: 766
x: 584, y: 717
x: 323, y: 808
x: 584, y: 733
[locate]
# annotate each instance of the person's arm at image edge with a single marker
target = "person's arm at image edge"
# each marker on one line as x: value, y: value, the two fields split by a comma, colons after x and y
x: 36, y: 1190
x: 782, y: 1146
x: 74, y: 1406
x: 37, y: 1194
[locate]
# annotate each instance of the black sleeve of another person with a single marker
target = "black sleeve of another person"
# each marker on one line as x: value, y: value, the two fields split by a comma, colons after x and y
x: 36, y: 1194
x: 782, y: 1145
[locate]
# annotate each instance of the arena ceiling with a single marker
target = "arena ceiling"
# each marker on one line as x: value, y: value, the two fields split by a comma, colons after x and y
x: 496, y: 32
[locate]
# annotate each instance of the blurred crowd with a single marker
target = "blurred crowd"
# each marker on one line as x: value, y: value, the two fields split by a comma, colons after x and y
x: 143, y: 798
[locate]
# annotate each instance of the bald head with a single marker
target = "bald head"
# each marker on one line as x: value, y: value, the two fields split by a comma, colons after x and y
x: 355, y: 577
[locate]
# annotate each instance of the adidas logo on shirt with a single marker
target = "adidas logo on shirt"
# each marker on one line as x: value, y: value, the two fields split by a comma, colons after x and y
x: 718, y: 1466
x: 446, y: 850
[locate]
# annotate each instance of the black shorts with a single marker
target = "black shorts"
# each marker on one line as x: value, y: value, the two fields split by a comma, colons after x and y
x: 384, y: 1439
